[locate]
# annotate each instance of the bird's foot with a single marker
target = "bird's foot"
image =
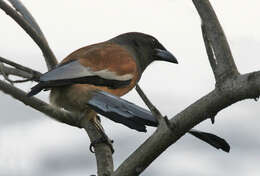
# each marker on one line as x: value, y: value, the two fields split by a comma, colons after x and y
x: 103, y: 139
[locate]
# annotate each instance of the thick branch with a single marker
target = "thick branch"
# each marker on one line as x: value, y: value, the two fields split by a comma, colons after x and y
x: 50, y: 59
x: 103, y: 152
x: 243, y: 87
x: 219, y: 53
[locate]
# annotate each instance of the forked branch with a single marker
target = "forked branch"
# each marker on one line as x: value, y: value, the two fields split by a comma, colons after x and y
x: 39, y: 39
x: 27, y: 22
x: 217, y: 47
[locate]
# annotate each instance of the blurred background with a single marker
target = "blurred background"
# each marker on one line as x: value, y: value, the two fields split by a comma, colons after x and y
x: 33, y: 144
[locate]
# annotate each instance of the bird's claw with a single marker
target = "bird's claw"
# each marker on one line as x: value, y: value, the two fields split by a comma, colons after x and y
x: 103, y: 139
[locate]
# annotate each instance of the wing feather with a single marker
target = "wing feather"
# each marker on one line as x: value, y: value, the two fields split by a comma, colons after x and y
x: 75, y: 69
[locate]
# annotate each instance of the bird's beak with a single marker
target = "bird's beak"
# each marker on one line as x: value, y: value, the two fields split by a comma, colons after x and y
x: 165, y: 55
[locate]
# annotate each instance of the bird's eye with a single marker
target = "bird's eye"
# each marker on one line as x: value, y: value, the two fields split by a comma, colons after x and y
x: 154, y: 42
x: 136, y: 43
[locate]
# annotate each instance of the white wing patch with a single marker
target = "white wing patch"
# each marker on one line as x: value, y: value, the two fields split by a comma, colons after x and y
x: 75, y: 70
x: 106, y: 74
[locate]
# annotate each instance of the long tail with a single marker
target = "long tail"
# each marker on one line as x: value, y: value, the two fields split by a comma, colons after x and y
x: 35, y: 89
x: 121, y: 111
x: 135, y: 117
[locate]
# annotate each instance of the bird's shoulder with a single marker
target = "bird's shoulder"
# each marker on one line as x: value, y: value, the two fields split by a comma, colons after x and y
x: 104, y: 55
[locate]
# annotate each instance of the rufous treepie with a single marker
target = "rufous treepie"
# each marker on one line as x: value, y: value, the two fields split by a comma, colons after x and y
x: 91, y: 79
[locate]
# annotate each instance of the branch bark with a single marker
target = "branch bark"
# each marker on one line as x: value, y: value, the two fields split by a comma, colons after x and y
x: 217, y: 47
x: 243, y: 87
x: 104, y: 159
x: 39, y: 105
x: 13, y: 71
x: 18, y: 70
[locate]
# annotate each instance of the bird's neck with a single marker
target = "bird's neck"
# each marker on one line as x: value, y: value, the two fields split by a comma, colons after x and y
x: 138, y: 53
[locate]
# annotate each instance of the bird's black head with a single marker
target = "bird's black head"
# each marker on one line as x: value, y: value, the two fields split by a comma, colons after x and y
x: 146, y: 48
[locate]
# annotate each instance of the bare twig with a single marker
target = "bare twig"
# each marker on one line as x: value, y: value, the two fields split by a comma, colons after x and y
x: 4, y: 73
x: 13, y: 71
x: 23, y: 70
x: 163, y: 120
x: 18, y: 5
x: 50, y: 59
x: 224, y: 66
x: 35, y: 103
x: 149, y: 104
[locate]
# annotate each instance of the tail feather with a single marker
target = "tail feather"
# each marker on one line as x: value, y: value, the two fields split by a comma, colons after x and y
x: 211, y: 139
x: 121, y: 111
x: 135, y: 117
x: 35, y: 89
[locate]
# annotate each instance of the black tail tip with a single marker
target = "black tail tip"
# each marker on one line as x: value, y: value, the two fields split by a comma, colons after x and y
x: 31, y: 93
x: 34, y: 90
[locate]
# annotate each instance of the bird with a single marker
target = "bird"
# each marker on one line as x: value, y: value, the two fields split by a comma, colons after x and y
x: 92, y: 79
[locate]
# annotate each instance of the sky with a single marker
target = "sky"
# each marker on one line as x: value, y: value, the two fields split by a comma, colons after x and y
x: 32, y: 144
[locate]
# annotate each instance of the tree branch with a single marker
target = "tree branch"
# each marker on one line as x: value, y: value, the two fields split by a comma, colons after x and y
x: 104, y: 159
x: 15, y: 72
x: 50, y: 59
x: 21, y: 67
x: 35, y: 103
x: 234, y: 87
x: 102, y: 151
x: 26, y: 21
x: 237, y: 87
x: 149, y: 104
x: 218, y: 50
x: 18, y: 5
x: 19, y: 70
x: 243, y: 87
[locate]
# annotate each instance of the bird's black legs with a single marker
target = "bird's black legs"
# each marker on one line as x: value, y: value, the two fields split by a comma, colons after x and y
x: 103, y: 139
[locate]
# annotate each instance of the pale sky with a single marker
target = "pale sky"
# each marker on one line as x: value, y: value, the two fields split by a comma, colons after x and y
x: 31, y: 144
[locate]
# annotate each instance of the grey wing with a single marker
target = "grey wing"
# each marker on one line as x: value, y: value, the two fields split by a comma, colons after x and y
x: 75, y: 73
x: 74, y: 70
